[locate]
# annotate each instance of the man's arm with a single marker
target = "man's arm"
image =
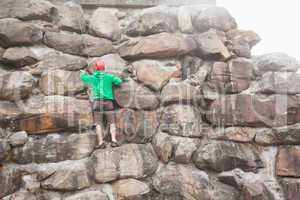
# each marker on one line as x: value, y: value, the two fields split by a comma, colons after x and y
x: 116, y: 80
x: 85, y: 77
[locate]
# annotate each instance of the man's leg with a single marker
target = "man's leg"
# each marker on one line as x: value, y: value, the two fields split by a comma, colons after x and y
x: 99, y: 135
x: 113, y: 132
x: 98, y: 120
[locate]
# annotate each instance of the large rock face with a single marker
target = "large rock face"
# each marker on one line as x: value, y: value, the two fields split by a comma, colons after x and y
x: 160, y: 45
x: 128, y: 161
x: 196, y: 117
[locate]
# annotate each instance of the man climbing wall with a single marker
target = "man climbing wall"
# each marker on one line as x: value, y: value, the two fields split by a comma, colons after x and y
x: 102, y: 96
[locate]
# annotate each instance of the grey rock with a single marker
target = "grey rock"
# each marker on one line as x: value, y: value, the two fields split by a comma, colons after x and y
x: 61, y: 82
x: 104, y: 23
x: 182, y: 120
x: 70, y: 17
x: 54, y: 148
x: 10, y: 181
x: 133, y: 95
x: 223, y: 156
x: 162, y: 45
x: 152, y: 21
x: 127, y: 161
x: 216, y: 18
x: 26, y: 9
x: 16, y: 85
x: 73, y: 43
x: 181, y: 180
x: 137, y: 126
x: 14, y: 32
x: 190, y: 65
x: 275, y: 62
x: 210, y: 45
x: 4, y: 149
x: 61, y: 61
x: 19, y: 56
x: 185, y: 20
x: 18, y: 138
x: 88, y: 195
x: 131, y: 189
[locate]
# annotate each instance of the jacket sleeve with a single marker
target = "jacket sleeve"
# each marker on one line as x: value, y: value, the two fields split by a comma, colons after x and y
x: 86, y: 78
x: 116, y: 80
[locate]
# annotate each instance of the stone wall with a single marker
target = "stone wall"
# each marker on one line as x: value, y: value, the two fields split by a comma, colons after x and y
x: 198, y: 116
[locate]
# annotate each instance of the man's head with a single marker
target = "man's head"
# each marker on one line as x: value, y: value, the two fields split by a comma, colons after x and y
x: 99, y: 66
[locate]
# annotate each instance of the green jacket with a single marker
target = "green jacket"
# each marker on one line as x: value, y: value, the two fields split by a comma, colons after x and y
x: 101, y: 83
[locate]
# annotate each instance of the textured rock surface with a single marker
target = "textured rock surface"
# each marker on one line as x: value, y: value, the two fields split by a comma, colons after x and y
x: 160, y: 45
x: 54, y: 148
x: 15, y: 32
x: 224, y: 156
x: 133, y: 95
x: 26, y: 9
x: 152, y: 22
x: 16, y: 85
x: 197, y: 117
x: 128, y: 161
x: 73, y: 43
x: 104, y: 23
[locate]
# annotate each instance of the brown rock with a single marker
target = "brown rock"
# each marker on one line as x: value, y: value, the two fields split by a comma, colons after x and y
x: 291, y: 188
x: 15, y: 32
x: 76, y: 178
x: 133, y: 95
x: 160, y: 45
x: 180, y: 92
x: 286, y: 135
x: 235, y: 134
x: 130, y: 189
x: 209, y: 44
x: 61, y: 61
x: 26, y: 9
x: 223, y: 156
x: 254, y: 110
x: 151, y: 22
x: 8, y: 110
x: 4, y: 149
x: 54, y: 148
x: 73, y: 43
x: 182, y: 120
x: 275, y: 62
x: 278, y: 82
x: 233, y: 77
x: 288, y: 160
x: 174, y: 148
x: 137, y: 126
x: 242, y: 42
x: 70, y: 17
x: 19, y: 56
x: 216, y: 18
x: 60, y: 82
x: 88, y: 195
x: 16, y: 85
x: 104, y: 23
x: 53, y: 113
x: 127, y: 161
x: 184, y: 181
x: 153, y: 74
